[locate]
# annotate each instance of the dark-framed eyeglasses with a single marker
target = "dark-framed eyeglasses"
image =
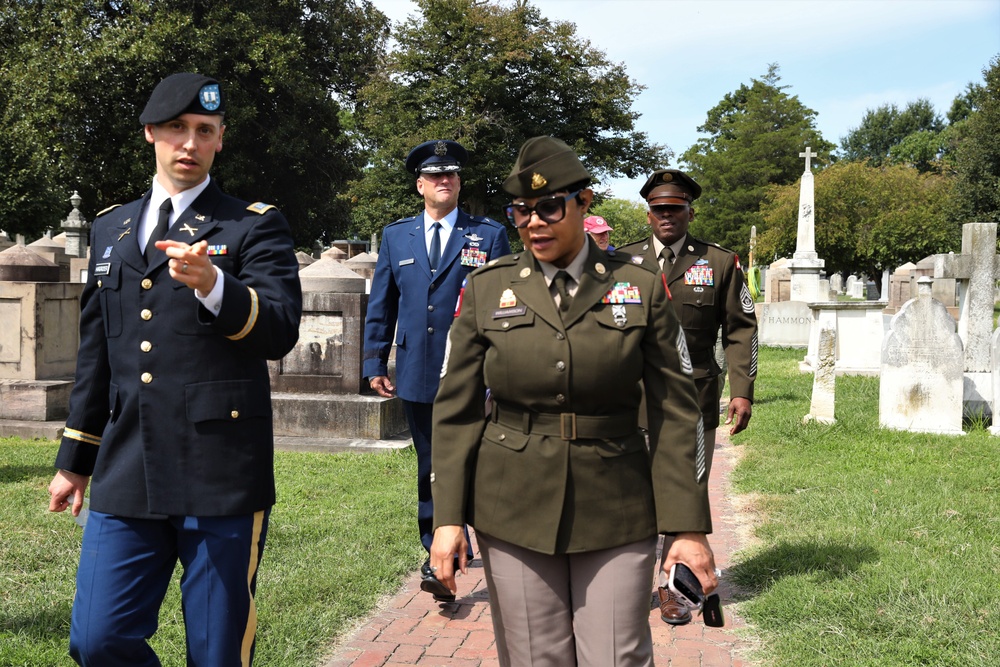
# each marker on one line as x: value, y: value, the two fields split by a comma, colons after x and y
x: 549, y: 209
x: 661, y: 211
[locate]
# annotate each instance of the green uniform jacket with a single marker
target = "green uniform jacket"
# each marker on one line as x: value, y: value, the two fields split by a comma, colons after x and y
x: 519, y: 474
x: 709, y: 291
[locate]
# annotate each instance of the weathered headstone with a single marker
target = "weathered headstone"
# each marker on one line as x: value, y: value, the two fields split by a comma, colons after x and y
x: 821, y: 409
x: 317, y: 387
x: 784, y: 324
x: 976, y: 271
x: 38, y: 343
x: 921, y: 380
x: 778, y: 281
x: 837, y: 283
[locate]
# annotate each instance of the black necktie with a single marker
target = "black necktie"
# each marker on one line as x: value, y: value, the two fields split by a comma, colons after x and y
x: 562, y: 286
x: 434, y: 256
x: 162, y: 223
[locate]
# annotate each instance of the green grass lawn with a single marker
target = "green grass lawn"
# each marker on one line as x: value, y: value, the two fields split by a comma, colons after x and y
x: 876, y: 547
x: 342, y: 535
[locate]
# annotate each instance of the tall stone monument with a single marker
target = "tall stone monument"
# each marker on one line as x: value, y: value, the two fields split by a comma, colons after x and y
x: 788, y: 323
x: 805, y: 264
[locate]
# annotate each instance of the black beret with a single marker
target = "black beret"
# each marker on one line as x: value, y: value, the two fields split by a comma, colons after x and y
x: 544, y: 165
x: 676, y: 177
x: 437, y: 157
x: 180, y: 94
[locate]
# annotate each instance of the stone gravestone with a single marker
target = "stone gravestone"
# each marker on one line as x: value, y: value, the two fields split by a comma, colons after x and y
x: 837, y: 283
x: 821, y: 409
x: 317, y: 387
x: 38, y: 344
x: 976, y: 271
x: 784, y: 324
x: 778, y: 282
x: 899, y: 287
x: 921, y: 377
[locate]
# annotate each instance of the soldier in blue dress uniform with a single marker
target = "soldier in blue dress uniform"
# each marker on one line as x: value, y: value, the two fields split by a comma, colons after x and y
x: 189, y: 293
x: 422, y: 265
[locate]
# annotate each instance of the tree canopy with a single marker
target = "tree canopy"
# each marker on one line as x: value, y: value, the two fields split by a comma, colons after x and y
x: 755, y: 135
x: 868, y: 218
x: 886, y: 127
x: 977, y: 153
x: 626, y: 217
x: 77, y: 73
x: 490, y: 77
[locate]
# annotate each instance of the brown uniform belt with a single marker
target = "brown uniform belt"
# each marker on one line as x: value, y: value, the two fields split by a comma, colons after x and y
x: 567, y: 425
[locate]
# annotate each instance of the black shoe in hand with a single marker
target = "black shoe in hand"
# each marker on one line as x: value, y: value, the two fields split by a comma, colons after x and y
x: 430, y: 584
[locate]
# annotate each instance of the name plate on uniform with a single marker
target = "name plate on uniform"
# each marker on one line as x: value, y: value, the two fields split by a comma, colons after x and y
x: 509, y: 312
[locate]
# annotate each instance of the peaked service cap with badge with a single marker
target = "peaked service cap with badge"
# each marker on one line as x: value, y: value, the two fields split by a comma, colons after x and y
x: 440, y: 156
x: 183, y: 93
x: 663, y: 184
x: 544, y: 165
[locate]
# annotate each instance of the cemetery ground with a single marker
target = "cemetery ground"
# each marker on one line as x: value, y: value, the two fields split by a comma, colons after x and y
x: 867, y: 546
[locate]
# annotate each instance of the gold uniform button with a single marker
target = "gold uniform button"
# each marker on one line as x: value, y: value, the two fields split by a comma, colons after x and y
x: 560, y: 399
x: 235, y: 414
x: 505, y: 324
x: 503, y: 436
x: 147, y: 378
x: 146, y: 283
x: 145, y: 346
x: 146, y: 314
x: 100, y: 283
x: 560, y: 335
x: 560, y: 365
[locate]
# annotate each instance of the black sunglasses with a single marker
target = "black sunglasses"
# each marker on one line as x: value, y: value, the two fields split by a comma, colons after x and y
x: 549, y: 209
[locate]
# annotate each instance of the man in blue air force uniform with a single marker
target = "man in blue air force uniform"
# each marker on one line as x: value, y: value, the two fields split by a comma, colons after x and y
x: 422, y: 265
x: 189, y: 292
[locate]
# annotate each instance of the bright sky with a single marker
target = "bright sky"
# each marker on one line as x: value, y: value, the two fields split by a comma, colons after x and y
x: 840, y: 57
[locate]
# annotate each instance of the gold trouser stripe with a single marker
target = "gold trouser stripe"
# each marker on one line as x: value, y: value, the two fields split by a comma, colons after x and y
x: 73, y: 434
x: 251, y: 630
x: 251, y: 320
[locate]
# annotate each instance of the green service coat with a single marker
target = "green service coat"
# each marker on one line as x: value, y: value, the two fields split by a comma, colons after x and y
x: 516, y: 474
x: 710, y: 294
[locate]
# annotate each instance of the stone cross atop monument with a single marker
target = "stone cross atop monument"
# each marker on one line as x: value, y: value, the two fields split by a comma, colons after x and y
x: 807, y: 155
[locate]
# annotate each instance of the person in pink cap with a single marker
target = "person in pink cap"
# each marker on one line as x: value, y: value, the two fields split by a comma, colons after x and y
x: 599, y: 230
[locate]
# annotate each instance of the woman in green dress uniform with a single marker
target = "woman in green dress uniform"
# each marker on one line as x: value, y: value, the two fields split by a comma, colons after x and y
x: 565, y: 495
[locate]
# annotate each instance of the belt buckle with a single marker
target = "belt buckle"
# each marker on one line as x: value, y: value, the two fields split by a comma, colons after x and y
x: 567, y: 422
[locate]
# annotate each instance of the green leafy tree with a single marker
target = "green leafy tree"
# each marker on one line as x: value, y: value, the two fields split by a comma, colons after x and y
x: 977, y: 154
x: 755, y: 135
x: 626, y: 217
x: 885, y: 127
x: 490, y: 77
x: 77, y: 73
x: 866, y: 217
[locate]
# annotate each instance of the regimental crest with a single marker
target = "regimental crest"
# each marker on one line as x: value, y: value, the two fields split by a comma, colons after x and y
x: 440, y: 149
x: 538, y: 181
x: 210, y: 97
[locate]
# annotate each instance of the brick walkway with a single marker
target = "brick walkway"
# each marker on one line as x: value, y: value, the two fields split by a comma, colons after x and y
x: 412, y: 629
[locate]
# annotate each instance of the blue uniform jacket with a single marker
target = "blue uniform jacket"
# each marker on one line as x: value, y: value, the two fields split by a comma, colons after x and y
x: 405, y: 293
x: 171, y: 410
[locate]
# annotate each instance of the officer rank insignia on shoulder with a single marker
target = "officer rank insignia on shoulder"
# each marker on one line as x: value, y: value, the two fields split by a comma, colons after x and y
x: 260, y: 207
x: 622, y: 293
